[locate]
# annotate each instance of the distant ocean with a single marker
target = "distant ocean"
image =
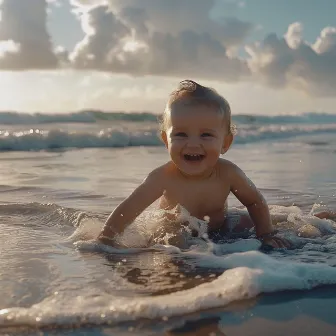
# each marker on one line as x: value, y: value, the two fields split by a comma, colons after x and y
x: 95, y: 129
x: 62, y: 174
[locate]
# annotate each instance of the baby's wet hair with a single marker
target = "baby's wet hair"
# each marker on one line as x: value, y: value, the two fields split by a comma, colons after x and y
x: 193, y: 93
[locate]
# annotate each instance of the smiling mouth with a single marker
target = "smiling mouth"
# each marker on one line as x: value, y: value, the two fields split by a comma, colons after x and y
x: 193, y: 157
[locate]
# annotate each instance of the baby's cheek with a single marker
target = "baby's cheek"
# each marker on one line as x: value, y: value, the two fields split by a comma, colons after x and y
x: 175, y: 148
x: 214, y: 149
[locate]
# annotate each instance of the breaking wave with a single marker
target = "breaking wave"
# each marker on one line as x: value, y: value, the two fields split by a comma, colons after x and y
x: 93, y: 116
x: 33, y: 139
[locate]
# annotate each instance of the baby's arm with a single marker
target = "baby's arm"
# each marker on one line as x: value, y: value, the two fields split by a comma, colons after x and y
x: 125, y: 213
x: 247, y: 193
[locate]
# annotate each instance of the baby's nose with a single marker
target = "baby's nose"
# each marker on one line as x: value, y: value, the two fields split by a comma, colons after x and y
x: 193, y: 142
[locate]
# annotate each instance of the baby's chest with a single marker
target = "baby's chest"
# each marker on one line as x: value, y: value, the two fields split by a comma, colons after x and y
x: 198, y: 199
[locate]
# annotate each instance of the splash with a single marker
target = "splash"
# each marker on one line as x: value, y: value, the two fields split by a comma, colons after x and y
x: 241, y: 272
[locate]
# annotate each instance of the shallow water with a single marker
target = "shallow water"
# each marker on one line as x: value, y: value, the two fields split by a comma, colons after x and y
x: 49, y: 280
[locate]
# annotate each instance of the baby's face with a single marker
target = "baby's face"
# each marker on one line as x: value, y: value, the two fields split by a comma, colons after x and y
x: 195, y: 138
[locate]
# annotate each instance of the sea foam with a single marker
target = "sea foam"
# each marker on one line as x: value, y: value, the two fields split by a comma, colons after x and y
x: 243, y: 272
x: 245, y: 275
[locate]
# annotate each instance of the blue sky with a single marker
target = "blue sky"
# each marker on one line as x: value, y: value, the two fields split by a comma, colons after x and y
x: 264, y: 56
x: 276, y: 15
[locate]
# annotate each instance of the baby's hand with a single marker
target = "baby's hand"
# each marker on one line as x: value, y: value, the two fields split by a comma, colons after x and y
x: 109, y: 241
x: 326, y: 215
x: 276, y: 242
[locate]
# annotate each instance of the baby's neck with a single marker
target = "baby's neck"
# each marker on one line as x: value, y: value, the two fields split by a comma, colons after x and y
x: 204, y: 176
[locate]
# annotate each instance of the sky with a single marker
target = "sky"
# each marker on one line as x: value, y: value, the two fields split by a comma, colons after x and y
x: 264, y: 56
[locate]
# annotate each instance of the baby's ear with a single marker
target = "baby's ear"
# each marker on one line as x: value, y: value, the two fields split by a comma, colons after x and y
x: 227, y: 142
x: 164, y: 138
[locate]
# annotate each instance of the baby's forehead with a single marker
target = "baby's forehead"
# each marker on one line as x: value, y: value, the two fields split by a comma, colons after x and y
x: 205, y: 117
x: 195, y: 111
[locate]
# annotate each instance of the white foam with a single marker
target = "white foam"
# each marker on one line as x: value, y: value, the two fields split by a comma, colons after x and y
x: 95, y: 246
x: 242, y: 245
x: 247, y: 275
x: 292, y: 223
x: 39, y: 139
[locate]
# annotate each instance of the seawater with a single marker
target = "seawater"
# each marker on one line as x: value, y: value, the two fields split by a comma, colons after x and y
x: 24, y: 132
x: 59, y: 184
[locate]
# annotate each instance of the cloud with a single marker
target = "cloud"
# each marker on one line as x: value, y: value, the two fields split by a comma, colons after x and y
x: 294, y: 37
x: 55, y: 3
x: 175, y: 38
x: 138, y: 38
x: 185, y: 16
x: 326, y: 42
x: 7, y: 47
x: 24, y: 40
x: 290, y: 61
x: 143, y: 41
x: 103, y: 32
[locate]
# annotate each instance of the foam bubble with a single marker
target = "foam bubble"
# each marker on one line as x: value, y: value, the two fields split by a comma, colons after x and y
x: 247, y: 274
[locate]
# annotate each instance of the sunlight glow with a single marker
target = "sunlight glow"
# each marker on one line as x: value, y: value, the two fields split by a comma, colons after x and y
x: 9, y: 92
x: 9, y: 46
x: 133, y: 46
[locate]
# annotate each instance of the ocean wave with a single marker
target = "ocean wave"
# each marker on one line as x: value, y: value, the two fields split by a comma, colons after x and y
x: 94, y: 116
x: 304, y: 118
x: 62, y: 139
x: 87, y: 116
x: 39, y: 139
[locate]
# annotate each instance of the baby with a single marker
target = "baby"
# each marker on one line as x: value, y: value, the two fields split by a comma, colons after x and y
x: 196, y: 129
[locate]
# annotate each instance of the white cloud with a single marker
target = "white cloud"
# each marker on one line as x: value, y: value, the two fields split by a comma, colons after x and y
x: 143, y: 41
x: 103, y: 32
x: 326, y: 42
x: 175, y: 38
x: 7, y: 47
x: 291, y: 61
x: 62, y: 55
x: 176, y: 16
x: 24, y: 24
x: 139, y: 38
x: 293, y: 37
x: 55, y: 3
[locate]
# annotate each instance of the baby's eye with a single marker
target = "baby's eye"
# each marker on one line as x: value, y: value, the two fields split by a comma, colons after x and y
x: 205, y: 135
x: 180, y: 134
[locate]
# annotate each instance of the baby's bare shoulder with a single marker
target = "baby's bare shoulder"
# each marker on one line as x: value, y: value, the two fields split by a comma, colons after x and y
x: 227, y: 166
x: 229, y: 171
x: 160, y: 174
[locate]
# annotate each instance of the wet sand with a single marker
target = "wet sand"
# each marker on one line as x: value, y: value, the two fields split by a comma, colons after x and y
x: 286, y: 313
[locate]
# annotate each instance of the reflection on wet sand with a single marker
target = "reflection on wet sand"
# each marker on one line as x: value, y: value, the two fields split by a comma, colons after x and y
x: 207, y: 326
